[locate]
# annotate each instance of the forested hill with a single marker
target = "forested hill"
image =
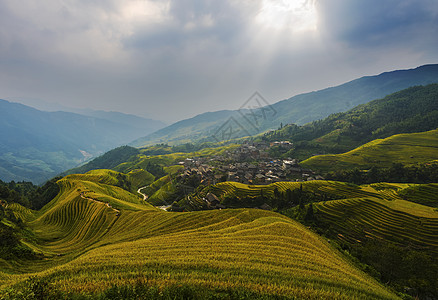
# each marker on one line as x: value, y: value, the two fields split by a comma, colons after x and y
x: 299, y: 109
x: 320, y: 104
x: 411, y: 110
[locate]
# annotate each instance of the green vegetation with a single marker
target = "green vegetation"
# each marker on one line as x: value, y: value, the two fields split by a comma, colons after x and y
x: 186, y: 131
x: 412, y: 110
x: 98, y: 239
x: 405, y: 149
x: 27, y: 194
x: 163, y: 167
x: 162, y: 191
x: 279, y: 195
x: 403, y: 223
x: 420, y: 173
x: 129, y: 182
x: 396, y: 240
x: 426, y: 194
x: 373, y: 224
x: 327, y: 194
x: 14, y: 193
x: 139, y: 178
x: 161, y: 149
x: 299, y: 109
x: 11, y: 248
x: 126, y: 159
x: 142, y: 161
x: 13, y: 235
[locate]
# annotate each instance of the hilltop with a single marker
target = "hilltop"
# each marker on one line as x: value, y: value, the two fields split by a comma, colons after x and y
x: 299, y: 109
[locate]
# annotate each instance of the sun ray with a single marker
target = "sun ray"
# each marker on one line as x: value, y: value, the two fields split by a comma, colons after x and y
x: 294, y: 15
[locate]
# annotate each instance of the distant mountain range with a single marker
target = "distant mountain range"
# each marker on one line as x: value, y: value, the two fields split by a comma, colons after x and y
x: 127, y: 119
x: 411, y: 111
x: 257, y: 115
x: 36, y: 145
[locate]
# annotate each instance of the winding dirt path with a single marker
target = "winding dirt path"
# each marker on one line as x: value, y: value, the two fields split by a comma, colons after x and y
x: 145, y: 197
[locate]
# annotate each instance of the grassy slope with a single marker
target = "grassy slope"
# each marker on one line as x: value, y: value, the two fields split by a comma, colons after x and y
x: 90, y: 246
x: 401, y: 148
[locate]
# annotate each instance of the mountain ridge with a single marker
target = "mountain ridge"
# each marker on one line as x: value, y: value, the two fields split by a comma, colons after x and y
x: 39, y: 145
x: 299, y: 109
x: 407, y: 111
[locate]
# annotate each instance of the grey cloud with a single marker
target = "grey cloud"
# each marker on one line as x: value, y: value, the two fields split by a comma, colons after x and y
x: 193, y: 21
x: 203, y: 56
x: 375, y: 22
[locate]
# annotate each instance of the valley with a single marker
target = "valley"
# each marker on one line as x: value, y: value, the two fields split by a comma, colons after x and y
x: 219, y: 150
x: 344, y: 207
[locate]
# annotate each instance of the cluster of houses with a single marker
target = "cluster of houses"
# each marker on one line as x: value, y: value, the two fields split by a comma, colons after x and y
x: 249, y: 164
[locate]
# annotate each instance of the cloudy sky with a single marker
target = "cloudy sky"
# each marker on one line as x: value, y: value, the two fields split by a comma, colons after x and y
x: 173, y: 59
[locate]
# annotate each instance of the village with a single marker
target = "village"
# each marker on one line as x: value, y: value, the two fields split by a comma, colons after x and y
x: 250, y: 163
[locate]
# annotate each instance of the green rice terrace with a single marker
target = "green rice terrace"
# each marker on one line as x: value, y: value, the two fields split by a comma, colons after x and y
x: 95, y: 235
x: 377, y: 211
x: 399, y: 221
x: 410, y: 148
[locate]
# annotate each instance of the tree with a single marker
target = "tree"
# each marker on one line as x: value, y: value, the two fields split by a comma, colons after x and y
x: 310, y: 215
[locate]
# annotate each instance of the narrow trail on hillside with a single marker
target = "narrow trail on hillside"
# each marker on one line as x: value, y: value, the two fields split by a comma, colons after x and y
x: 100, y: 202
x: 145, y: 197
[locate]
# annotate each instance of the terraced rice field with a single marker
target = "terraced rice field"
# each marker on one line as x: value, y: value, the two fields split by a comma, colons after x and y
x: 95, y: 235
x: 405, y: 223
x: 407, y: 149
x: 21, y: 212
x: 376, y: 211
x: 339, y: 189
x: 426, y: 194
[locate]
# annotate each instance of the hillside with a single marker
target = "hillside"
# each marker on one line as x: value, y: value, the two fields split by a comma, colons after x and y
x: 298, y: 110
x: 126, y: 158
x: 42, y: 144
x: 411, y: 110
x: 189, y: 130
x: 90, y: 246
x: 137, y: 124
x: 410, y: 148
x: 376, y: 211
x: 399, y: 221
x: 108, y: 160
x: 377, y: 225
